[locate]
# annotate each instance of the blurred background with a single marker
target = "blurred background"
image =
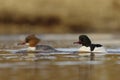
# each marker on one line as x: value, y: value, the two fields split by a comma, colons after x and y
x: 59, y: 16
x: 58, y: 23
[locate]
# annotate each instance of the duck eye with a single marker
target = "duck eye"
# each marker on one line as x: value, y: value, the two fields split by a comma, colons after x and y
x: 82, y: 39
x: 27, y: 40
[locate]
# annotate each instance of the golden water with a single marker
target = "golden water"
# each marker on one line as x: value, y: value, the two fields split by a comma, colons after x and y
x: 61, y: 67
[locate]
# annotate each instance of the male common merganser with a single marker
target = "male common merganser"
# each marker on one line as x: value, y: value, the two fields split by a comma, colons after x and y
x: 88, y: 46
x: 32, y: 42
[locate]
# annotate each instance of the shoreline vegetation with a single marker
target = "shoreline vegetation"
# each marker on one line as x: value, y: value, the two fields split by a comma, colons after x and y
x: 60, y: 16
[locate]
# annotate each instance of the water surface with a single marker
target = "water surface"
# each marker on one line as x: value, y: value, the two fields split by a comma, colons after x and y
x: 60, y: 66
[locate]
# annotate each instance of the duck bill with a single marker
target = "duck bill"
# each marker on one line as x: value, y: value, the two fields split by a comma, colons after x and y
x: 78, y: 42
x: 21, y: 43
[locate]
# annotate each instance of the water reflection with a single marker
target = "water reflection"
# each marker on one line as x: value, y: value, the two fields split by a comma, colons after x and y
x: 62, y: 67
x: 92, y: 56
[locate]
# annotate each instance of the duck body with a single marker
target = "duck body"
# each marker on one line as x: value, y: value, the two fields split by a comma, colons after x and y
x: 31, y: 41
x: 45, y: 48
x: 88, y: 46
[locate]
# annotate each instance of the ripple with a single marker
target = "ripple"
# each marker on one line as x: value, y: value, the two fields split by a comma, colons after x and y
x: 78, y: 62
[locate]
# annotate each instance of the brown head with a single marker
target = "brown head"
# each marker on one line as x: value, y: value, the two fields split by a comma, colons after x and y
x: 31, y: 40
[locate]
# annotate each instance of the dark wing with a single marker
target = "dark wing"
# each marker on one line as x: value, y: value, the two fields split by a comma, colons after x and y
x: 92, y: 47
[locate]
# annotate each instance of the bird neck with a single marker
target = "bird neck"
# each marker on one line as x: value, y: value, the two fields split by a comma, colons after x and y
x: 31, y: 48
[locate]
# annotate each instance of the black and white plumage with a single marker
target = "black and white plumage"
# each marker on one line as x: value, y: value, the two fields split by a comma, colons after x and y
x: 88, y: 46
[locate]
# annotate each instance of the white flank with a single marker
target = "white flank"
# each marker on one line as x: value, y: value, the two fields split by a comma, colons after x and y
x: 97, y: 49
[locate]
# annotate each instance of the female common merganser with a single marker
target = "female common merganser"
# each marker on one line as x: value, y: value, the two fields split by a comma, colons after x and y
x: 88, y: 46
x: 32, y: 41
